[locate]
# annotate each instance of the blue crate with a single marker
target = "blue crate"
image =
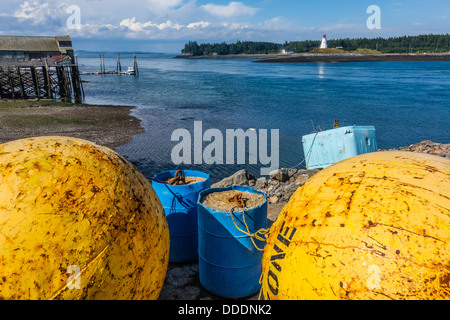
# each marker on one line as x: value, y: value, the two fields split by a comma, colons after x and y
x: 325, y: 148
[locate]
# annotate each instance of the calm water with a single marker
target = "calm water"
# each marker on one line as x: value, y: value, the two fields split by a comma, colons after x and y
x: 407, y: 102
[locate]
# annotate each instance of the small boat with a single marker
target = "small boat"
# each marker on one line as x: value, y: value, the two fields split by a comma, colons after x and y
x: 130, y: 71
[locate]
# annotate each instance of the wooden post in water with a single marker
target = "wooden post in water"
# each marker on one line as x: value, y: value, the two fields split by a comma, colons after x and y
x: 76, y: 82
x: 66, y: 83
x: 119, y: 66
x: 62, y: 90
x: 104, y: 69
x: 136, y: 70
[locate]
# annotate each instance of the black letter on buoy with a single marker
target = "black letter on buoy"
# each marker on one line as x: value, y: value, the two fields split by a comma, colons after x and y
x: 274, y: 277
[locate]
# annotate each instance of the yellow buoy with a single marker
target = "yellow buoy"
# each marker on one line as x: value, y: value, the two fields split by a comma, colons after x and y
x: 375, y: 226
x: 77, y: 221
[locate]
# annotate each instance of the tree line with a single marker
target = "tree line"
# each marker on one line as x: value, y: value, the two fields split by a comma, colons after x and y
x: 406, y: 44
x: 244, y: 47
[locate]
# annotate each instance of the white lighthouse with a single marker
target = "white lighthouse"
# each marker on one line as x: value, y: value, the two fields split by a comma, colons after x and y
x: 324, y: 44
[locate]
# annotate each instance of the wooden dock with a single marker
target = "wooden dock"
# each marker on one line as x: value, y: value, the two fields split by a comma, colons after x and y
x: 46, y: 82
x: 134, y: 71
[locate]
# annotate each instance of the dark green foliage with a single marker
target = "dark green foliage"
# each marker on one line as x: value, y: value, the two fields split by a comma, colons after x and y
x: 406, y: 44
x: 245, y: 47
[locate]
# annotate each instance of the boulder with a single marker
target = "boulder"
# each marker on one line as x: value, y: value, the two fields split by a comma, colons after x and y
x: 242, y: 178
x: 280, y: 175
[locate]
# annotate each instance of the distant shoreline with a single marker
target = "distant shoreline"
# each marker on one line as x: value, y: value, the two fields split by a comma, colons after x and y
x: 331, y: 58
x: 228, y: 56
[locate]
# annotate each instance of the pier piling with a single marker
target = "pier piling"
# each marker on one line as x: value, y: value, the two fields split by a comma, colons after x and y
x: 42, y: 82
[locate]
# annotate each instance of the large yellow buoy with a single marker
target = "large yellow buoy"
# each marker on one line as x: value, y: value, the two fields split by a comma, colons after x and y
x: 77, y: 221
x: 375, y: 226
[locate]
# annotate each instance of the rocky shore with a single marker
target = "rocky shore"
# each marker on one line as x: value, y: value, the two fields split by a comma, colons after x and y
x: 303, y: 58
x: 278, y: 187
x: 427, y: 146
x: 182, y: 282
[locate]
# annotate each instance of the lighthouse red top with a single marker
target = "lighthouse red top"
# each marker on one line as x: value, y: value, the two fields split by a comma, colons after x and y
x: 324, y: 36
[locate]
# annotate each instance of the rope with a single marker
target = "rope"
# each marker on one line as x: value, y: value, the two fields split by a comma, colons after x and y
x: 261, y: 234
x: 307, y: 154
x: 178, y: 179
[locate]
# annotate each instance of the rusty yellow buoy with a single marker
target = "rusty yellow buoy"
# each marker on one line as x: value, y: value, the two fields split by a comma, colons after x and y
x: 77, y: 221
x: 375, y: 226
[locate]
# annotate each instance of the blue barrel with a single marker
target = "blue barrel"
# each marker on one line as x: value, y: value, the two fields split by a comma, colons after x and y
x: 180, y: 206
x: 229, y: 264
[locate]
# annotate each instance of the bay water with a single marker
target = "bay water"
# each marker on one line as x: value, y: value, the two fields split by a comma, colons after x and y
x: 406, y: 102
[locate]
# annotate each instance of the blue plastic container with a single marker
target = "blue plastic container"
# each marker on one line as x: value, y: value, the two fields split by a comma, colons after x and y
x: 229, y: 264
x: 180, y: 206
x: 322, y: 149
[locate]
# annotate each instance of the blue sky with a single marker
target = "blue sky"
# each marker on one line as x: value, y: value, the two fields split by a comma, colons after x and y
x: 165, y: 25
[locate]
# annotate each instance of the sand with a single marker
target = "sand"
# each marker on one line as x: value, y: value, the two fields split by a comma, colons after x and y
x: 221, y: 200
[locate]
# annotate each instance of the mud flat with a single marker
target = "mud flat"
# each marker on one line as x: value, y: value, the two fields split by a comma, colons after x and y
x: 109, y: 126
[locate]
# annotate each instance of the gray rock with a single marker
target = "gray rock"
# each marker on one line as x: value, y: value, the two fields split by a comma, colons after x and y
x: 242, y: 177
x: 261, y: 183
x: 274, y: 182
x: 280, y: 175
x: 180, y: 276
x: 274, y: 199
x: 301, y: 179
x: 291, y: 172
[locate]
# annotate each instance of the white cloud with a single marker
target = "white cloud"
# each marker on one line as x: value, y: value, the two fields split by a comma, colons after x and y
x: 136, y: 26
x: 145, y: 19
x: 36, y: 12
x: 200, y: 24
x: 233, y: 9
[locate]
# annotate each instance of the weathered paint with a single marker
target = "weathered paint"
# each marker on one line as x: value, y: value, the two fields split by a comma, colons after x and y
x: 375, y: 226
x: 68, y: 202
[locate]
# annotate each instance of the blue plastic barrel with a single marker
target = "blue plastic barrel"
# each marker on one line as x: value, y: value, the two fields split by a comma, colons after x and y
x: 229, y: 264
x: 180, y: 206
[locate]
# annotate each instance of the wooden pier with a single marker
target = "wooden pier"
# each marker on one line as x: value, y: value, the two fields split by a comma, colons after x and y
x: 46, y: 82
x: 39, y: 67
x: 134, y: 71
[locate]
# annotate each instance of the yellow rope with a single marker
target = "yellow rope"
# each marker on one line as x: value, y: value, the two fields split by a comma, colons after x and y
x: 261, y: 234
